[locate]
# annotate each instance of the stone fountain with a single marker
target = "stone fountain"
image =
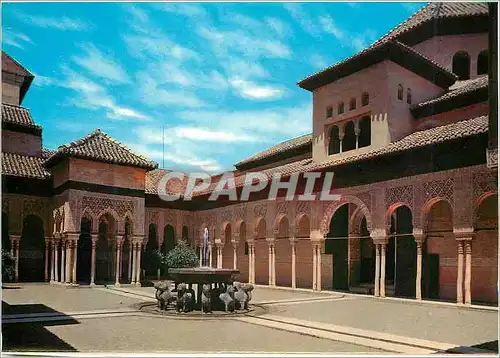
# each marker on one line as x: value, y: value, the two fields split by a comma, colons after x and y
x: 217, y: 289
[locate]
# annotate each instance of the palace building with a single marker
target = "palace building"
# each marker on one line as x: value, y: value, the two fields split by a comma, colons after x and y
x: 406, y: 126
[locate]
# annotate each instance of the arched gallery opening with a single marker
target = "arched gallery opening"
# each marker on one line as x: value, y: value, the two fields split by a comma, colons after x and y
x: 6, y: 244
x: 401, y: 255
x: 149, y: 260
x: 84, y: 252
x: 105, y: 252
x: 227, y: 249
x: 261, y: 253
x: 31, y: 250
x: 351, y: 246
x: 126, y: 256
x: 439, y: 253
x: 283, y: 253
x: 242, y: 253
x: 484, y: 252
x: 168, y: 244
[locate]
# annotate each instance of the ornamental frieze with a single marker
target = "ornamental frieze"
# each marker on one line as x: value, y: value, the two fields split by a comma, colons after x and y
x: 400, y: 194
x: 97, y: 204
x: 438, y: 189
x: 484, y: 182
x: 260, y: 210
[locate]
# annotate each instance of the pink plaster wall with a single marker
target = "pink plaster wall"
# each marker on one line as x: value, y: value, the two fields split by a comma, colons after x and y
x: 456, y: 115
x: 441, y: 49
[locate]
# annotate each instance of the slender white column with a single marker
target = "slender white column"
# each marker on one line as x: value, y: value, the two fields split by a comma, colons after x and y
x: 468, y: 271
x: 56, y: 260
x: 235, y: 257
x: 130, y: 263
x: 47, y: 245
x: 201, y: 256
x: 95, y: 237
x: 460, y: 273
x: 318, y: 261
x: 382, y: 269
x: 315, y: 267
x: 273, y: 250
x: 253, y: 264
x: 138, y: 281
x: 294, y: 274
x: 418, y: 281
x: 249, y: 262
x: 68, y: 261
x: 377, y: 270
x: 16, y: 255
x: 117, y: 268
x: 74, y: 243
x: 209, y: 255
x: 53, y: 262
x: 270, y: 265
x: 133, y: 263
x: 63, y: 261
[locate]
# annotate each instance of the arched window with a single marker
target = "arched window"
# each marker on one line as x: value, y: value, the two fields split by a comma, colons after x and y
x: 352, y: 104
x: 365, y: 99
x: 408, y: 96
x: 461, y: 65
x: 349, y: 141
x: 334, y: 144
x: 329, y: 111
x: 340, y: 108
x: 400, y: 92
x: 482, y: 63
x: 365, y: 132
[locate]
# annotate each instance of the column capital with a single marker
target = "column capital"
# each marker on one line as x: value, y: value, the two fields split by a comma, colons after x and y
x: 293, y: 240
x: 234, y: 244
x: 119, y: 239
x: 419, y: 238
x: 15, y: 238
x: 380, y: 240
x: 270, y: 241
x: 464, y: 234
x: 72, y: 236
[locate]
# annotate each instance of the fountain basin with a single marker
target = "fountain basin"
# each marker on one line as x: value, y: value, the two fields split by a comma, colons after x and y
x: 201, y: 275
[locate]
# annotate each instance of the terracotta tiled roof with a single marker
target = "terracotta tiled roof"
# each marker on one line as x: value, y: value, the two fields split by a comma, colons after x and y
x: 17, y: 115
x: 46, y: 153
x: 291, y: 144
x: 459, y: 88
x: 462, y: 129
x: 101, y: 147
x: 436, y: 11
x: 395, y: 51
x: 23, y: 166
x: 174, y: 186
x: 12, y: 66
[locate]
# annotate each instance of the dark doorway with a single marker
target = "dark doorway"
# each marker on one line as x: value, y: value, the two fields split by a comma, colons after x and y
x: 337, y: 245
x: 31, y: 250
x: 84, y: 253
x: 6, y: 244
x: 406, y: 252
x: 149, y: 258
x: 367, y: 256
x: 168, y: 244
x: 102, y: 274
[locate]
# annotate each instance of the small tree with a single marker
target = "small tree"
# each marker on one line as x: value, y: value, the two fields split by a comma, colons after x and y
x: 181, y: 256
x: 8, y: 264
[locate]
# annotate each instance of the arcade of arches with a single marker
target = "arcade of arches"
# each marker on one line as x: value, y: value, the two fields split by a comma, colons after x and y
x: 431, y: 237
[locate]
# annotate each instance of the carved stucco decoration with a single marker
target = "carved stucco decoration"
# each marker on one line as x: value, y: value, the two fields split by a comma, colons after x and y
x: 400, y: 194
x: 98, y: 204
x: 34, y: 206
x: 303, y: 207
x: 438, y: 189
x: 486, y: 182
x: 171, y: 218
x: 260, y: 210
x: 225, y: 216
x: 152, y: 217
x: 240, y: 213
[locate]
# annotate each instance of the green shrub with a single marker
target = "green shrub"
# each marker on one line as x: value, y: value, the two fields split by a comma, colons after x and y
x: 181, y: 256
x: 8, y: 264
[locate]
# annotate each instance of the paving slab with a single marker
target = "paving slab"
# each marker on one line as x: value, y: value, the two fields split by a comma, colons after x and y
x: 437, y: 323
x: 34, y: 298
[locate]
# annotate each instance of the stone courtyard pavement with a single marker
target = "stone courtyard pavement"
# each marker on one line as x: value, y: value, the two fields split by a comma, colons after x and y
x: 40, y: 317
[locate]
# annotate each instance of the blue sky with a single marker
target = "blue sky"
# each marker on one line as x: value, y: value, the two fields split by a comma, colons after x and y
x: 220, y: 78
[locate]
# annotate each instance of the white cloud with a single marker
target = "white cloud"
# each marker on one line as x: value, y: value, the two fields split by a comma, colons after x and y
x: 16, y: 39
x: 153, y: 94
x: 94, y: 96
x: 236, y: 66
x: 299, y: 14
x: 101, y: 65
x: 42, y: 81
x: 280, y: 27
x: 318, y: 61
x: 251, y: 90
x: 259, y: 124
x: 207, y: 135
x: 330, y: 27
x: 224, y: 42
x: 60, y: 23
x: 189, y: 10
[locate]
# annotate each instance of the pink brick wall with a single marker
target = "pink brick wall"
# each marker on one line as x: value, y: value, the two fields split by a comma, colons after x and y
x: 455, y: 115
x: 21, y: 143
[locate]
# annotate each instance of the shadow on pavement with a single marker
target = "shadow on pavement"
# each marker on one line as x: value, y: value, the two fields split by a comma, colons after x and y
x: 482, y: 348
x: 33, y: 336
